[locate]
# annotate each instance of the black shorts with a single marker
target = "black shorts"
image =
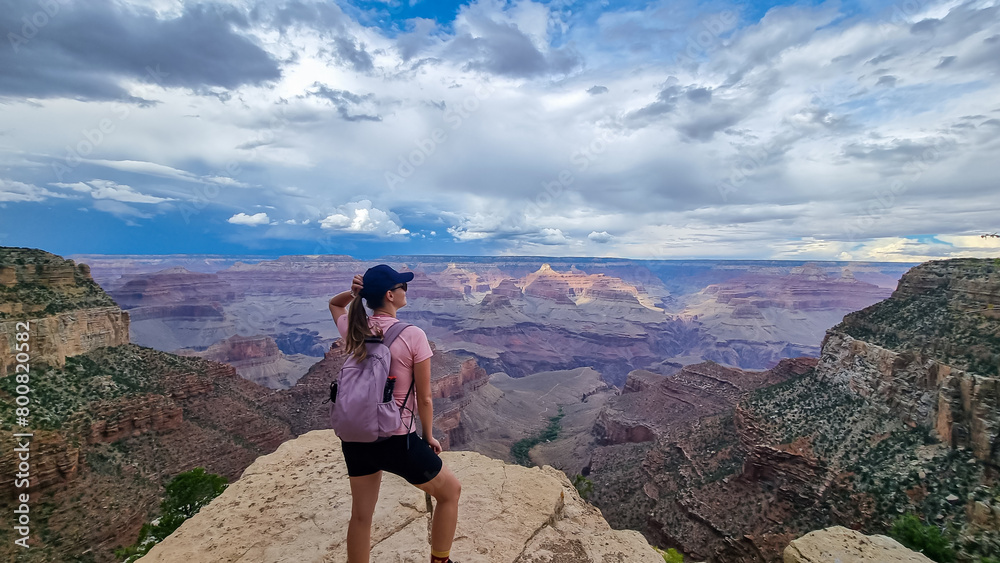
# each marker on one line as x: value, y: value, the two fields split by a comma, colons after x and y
x: 417, y: 464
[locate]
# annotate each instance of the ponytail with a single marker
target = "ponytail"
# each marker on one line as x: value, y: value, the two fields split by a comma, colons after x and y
x: 357, y: 327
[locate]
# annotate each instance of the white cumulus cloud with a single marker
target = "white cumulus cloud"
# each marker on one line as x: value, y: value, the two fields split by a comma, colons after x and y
x: 362, y: 217
x: 250, y: 220
x: 600, y: 237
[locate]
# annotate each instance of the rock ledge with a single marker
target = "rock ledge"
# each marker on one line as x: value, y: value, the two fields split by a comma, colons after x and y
x: 294, y: 505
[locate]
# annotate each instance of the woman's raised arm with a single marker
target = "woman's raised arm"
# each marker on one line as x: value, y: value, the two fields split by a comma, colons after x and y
x: 339, y: 302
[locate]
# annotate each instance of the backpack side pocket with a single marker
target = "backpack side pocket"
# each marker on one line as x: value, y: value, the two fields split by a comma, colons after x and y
x: 389, y: 418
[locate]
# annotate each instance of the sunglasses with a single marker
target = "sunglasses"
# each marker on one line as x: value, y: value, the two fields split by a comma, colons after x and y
x: 403, y: 286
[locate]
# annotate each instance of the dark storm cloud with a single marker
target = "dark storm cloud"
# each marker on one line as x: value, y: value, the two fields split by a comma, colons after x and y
x: 702, y: 117
x: 700, y: 95
x: 666, y: 102
x: 85, y: 49
x: 345, y: 102
x: 322, y: 16
x: 881, y: 59
x: 503, y: 49
x: 925, y: 26
x: 888, y: 81
x: 353, y: 55
x: 900, y: 151
x: 705, y: 127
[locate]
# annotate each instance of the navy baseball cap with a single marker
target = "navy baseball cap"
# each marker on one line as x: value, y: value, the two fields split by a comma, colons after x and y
x: 379, y: 279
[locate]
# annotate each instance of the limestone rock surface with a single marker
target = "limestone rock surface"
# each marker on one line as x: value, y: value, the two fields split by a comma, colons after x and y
x: 294, y: 505
x: 843, y: 544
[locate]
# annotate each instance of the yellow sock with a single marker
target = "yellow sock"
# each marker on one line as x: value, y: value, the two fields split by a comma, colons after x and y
x: 440, y: 556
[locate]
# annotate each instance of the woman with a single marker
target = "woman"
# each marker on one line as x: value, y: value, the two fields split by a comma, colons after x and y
x: 415, y: 459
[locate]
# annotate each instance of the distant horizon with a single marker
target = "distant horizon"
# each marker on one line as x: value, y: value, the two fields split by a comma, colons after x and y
x: 482, y: 256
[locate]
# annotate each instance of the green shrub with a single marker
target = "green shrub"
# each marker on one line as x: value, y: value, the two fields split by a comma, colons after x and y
x: 519, y: 451
x: 185, y: 495
x: 671, y: 555
x: 583, y: 485
x: 927, y: 539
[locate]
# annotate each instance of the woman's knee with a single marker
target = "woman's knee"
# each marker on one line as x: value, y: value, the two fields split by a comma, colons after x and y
x: 450, y: 489
x: 361, y: 518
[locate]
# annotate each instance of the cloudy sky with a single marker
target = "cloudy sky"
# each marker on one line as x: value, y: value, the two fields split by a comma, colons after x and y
x: 684, y: 129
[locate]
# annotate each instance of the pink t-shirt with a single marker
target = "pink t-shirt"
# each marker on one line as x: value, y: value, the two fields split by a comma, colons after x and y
x: 409, y: 348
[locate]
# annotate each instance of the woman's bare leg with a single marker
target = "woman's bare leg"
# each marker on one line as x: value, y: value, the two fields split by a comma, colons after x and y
x: 364, y: 495
x: 446, y: 489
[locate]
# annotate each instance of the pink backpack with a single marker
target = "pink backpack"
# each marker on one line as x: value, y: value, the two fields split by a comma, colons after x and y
x: 361, y: 408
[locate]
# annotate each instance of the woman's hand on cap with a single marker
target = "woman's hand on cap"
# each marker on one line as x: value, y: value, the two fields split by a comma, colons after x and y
x: 356, y: 285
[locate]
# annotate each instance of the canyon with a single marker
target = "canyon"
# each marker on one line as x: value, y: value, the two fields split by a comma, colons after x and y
x: 690, y: 405
x: 516, y: 315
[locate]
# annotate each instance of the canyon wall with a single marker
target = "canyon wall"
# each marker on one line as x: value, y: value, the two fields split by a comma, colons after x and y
x: 53, y: 338
x: 65, y: 311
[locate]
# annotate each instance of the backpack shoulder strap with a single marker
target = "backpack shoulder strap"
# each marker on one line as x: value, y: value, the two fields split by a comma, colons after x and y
x: 392, y: 332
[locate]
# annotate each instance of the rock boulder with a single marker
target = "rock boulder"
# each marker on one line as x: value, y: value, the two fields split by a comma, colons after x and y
x: 843, y: 544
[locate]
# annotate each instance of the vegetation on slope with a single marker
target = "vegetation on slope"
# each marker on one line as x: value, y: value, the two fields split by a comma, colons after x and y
x: 519, y: 451
x: 103, y: 374
x: 956, y: 322
x: 882, y: 467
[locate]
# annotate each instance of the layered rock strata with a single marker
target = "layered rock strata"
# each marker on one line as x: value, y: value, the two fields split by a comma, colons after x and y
x: 672, y: 463
x: 57, y: 305
x: 930, y: 353
x: 53, y: 338
x: 257, y: 359
x: 652, y: 404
